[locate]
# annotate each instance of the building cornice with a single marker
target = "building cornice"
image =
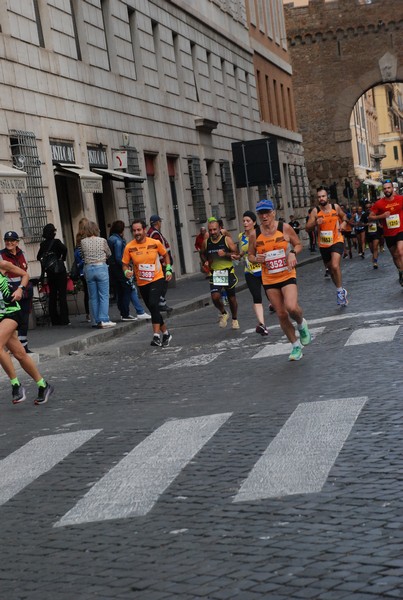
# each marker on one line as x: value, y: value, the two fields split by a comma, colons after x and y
x: 286, y: 134
x: 270, y: 56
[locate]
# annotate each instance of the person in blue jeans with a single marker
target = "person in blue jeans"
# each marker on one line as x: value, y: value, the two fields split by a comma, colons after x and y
x: 125, y: 290
x: 95, y: 252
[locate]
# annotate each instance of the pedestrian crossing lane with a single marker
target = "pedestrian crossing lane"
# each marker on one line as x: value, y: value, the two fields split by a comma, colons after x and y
x: 37, y: 457
x: 134, y: 485
x: 369, y: 335
x: 297, y: 461
x: 299, y: 458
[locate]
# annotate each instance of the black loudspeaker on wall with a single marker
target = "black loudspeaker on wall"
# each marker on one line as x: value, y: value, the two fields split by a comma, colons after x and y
x: 256, y: 162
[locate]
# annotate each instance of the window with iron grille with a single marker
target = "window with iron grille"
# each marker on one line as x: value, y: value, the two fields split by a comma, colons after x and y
x: 196, y: 189
x: 31, y: 204
x: 134, y: 191
x: 227, y: 190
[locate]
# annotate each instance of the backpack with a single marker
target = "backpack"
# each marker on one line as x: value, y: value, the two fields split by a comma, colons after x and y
x: 50, y: 263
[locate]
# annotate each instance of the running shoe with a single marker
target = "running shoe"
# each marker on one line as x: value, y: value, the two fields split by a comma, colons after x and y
x: 156, y: 341
x: 305, y: 336
x: 166, y: 339
x: 143, y: 316
x: 128, y: 318
x: 43, y: 394
x: 235, y: 324
x: 223, y: 320
x: 296, y: 353
x: 327, y: 273
x: 375, y: 264
x: 342, y: 298
x: 18, y: 393
x: 262, y: 329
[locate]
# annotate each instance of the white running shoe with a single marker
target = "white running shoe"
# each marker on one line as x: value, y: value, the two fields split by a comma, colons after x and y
x: 106, y: 324
x: 143, y: 316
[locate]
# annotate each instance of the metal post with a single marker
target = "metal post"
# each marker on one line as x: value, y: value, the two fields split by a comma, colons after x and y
x: 270, y: 169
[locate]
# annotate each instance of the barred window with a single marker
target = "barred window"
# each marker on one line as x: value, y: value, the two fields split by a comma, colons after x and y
x: 31, y: 204
x: 196, y: 189
x: 134, y: 191
x: 227, y: 190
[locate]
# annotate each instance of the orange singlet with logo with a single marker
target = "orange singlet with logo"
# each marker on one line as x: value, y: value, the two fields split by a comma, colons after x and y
x: 329, y: 231
x: 274, y: 268
x: 145, y: 259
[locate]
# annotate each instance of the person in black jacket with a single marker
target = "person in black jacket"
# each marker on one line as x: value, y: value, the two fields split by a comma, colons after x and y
x: 57, y: 279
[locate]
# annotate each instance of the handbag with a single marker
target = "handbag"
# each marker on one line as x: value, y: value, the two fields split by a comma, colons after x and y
x: 74, y: 272
x: 70, y: 288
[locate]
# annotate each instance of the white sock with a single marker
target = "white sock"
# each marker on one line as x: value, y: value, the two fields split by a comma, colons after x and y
x: 296, y: 344
x: 302, y: 325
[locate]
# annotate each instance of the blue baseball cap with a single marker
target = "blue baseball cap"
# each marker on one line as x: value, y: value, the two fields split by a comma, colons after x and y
x: 264, y: 204
x: 155, y: 219
x: 11, y: 235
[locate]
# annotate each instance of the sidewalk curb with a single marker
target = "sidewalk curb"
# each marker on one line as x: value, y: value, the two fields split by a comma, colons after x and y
x: 94, y: 338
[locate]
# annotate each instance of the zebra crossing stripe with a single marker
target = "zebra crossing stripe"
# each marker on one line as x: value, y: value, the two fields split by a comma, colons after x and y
x: 282, y: 347
x: 300, y: 457
x: 132, y: 487
x: 193, y: 361
x: 35, y: 458
x: 372, y: 334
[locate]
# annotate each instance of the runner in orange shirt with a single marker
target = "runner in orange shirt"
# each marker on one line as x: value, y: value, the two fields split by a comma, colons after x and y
x: 330, y: 220
x: 142, y: 257
x: 389, y: 210
x: 276, y: 248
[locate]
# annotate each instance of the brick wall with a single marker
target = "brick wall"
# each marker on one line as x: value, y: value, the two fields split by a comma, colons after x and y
x: 338, y: 51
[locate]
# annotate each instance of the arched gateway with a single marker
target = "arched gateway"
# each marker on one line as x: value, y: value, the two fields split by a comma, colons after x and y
x: 339, y: 50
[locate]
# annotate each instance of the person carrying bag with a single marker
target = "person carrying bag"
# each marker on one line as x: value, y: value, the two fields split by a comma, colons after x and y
x: 52, y: 254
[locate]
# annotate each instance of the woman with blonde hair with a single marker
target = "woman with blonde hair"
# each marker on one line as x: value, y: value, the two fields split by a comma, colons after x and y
x: 95, y: 252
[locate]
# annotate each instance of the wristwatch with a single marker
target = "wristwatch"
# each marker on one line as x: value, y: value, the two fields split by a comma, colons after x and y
x: 22, y: 287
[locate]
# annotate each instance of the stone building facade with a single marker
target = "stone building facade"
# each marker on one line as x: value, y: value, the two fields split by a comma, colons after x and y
x: 339, y: 50
x: 274, y: 84
x: 120, y: 109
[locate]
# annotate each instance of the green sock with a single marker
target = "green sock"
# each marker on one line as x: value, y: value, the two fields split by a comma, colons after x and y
x: 15, y: 381
x: 41, y: 383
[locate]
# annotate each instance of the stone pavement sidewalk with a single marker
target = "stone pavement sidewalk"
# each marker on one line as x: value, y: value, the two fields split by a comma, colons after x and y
x: 190, y: 293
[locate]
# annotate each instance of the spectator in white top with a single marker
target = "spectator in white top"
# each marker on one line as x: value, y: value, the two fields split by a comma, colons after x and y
x: 95, y: 252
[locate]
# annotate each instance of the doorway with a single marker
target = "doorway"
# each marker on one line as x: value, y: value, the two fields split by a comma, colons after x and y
x: 175, y: 207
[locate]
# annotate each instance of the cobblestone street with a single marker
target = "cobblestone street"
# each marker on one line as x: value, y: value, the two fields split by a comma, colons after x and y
x: 216, y: 468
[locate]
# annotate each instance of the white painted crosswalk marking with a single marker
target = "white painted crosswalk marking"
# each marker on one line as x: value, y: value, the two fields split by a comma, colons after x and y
x: 300, y: 457
x: 193, y: 361
x: 35, y: 458
x: 133, y: 486
x: 282, y: 347
x: 372, y: 334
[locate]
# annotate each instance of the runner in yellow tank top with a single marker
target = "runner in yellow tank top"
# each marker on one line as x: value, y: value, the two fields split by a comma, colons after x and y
x: 330, y: 221
x: 272, y: 250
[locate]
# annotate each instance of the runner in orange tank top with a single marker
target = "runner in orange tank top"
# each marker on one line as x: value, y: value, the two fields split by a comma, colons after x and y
x: 330, y: 220
x: 272, y: 249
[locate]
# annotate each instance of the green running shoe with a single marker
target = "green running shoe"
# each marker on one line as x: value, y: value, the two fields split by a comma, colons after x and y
x: 305, y: 336
x: 296, y: 353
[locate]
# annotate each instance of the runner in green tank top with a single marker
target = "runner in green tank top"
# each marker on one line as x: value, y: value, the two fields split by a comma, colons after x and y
x: 10, y: 314
x: 217, y: 252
